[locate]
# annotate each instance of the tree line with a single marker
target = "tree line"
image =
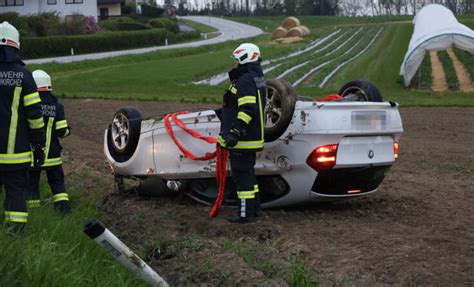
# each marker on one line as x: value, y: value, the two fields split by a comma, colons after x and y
x: 315, y: 7
x: 400, y: 7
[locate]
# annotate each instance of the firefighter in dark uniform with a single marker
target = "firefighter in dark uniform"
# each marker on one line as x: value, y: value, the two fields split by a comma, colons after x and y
x: 22, y: 131
x: 56, y: 127
x: 242, y: 128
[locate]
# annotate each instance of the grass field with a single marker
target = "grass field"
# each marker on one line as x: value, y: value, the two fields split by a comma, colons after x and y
x: 381, y: 65
x: 55, y: 251
x: 271, y: 22
x: 199, y: 26
x: 168, y: 75
x: 314, y: 23
x: 164, y: 75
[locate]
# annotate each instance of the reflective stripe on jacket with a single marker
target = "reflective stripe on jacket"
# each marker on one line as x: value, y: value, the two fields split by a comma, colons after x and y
x: 243, y: 109
x: 56, y: 127
x: 20, y: 112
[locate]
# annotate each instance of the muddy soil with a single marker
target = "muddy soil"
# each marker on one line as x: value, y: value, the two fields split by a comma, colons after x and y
x: 416, y: 230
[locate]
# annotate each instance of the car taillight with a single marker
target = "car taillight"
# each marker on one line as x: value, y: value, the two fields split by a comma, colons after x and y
x: 323, y: 157
x: 395, y: 150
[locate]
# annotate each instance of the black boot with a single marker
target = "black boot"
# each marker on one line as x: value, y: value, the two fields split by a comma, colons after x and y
x: 245, y: 212
x: 62, y: 207
x: 15, y: 228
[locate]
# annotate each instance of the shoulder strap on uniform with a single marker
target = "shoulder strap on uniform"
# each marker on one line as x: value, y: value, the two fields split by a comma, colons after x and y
x: 259, y: 82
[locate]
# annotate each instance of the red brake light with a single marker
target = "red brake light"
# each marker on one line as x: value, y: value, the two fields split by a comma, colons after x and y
x: 395, y: 149
x: 323, y: 157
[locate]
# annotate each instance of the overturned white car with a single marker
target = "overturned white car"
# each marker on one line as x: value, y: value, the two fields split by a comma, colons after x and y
x: 314, y: 150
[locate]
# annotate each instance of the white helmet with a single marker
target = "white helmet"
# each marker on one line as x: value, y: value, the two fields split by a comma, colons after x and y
x: 43, y: 81
x: 246, y: 53
x: 9, y: 35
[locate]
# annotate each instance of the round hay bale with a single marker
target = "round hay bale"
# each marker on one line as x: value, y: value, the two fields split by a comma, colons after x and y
x: 295, y: 32
x: 290, y: 22
x: 305, y: 30
x: 279, y: 32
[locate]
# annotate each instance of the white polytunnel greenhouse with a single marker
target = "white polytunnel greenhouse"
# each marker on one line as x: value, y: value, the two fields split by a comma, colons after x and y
x: 436, y: 28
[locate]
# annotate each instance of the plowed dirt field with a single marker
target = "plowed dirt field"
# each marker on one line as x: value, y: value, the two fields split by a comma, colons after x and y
x: 416, y: 230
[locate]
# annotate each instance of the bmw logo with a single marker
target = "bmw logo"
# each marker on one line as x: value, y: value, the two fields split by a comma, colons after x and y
x: 371, y: 154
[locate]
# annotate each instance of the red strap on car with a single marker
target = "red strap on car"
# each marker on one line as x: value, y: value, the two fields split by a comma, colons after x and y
x: 220, y: 153
x: 195, y: 134
x: 221, y: 164
x: 329, y: 98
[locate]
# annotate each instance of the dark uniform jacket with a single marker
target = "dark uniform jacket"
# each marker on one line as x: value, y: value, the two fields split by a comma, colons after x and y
x: 56, y: 127
x: 243, y: 107
x: 21, y: 121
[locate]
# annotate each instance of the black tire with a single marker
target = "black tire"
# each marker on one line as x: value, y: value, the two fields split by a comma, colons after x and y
x: 127, y: 125
x: 279, y: 108
x: 360, y: 91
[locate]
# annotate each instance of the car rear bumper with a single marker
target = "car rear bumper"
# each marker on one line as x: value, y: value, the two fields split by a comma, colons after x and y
x: 347, y: 182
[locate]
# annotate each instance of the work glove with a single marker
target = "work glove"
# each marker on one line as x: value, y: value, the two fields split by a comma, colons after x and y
x: 38, y: 141
x: 231, y: 138
x: 38, y: 155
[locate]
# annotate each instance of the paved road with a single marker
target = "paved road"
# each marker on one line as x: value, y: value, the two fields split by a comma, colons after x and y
x: 229, y: 30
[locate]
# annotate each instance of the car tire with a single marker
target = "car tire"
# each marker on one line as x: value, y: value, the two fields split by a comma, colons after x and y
x: 124, y: 133
x: 279, y: 108
x: 360, y: 91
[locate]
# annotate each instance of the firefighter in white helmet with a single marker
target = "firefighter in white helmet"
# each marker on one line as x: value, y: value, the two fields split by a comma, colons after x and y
x: 242, y: 124
x: 21, y: 128
x: 56, y: 127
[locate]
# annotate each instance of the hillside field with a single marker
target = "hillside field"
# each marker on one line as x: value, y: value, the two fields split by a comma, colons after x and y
x: 169, y: 75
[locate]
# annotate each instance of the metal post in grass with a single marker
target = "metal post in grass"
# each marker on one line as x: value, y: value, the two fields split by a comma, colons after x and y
x: 102, y: 236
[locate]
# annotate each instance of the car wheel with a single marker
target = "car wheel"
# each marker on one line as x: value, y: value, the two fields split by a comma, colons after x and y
x: 124, y: 133
x: 279, y: 107
x: 360, y: 91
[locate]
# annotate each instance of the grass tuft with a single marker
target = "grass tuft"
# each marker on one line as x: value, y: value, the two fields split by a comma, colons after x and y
x: 299, y: 275
x: 56, y: 252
